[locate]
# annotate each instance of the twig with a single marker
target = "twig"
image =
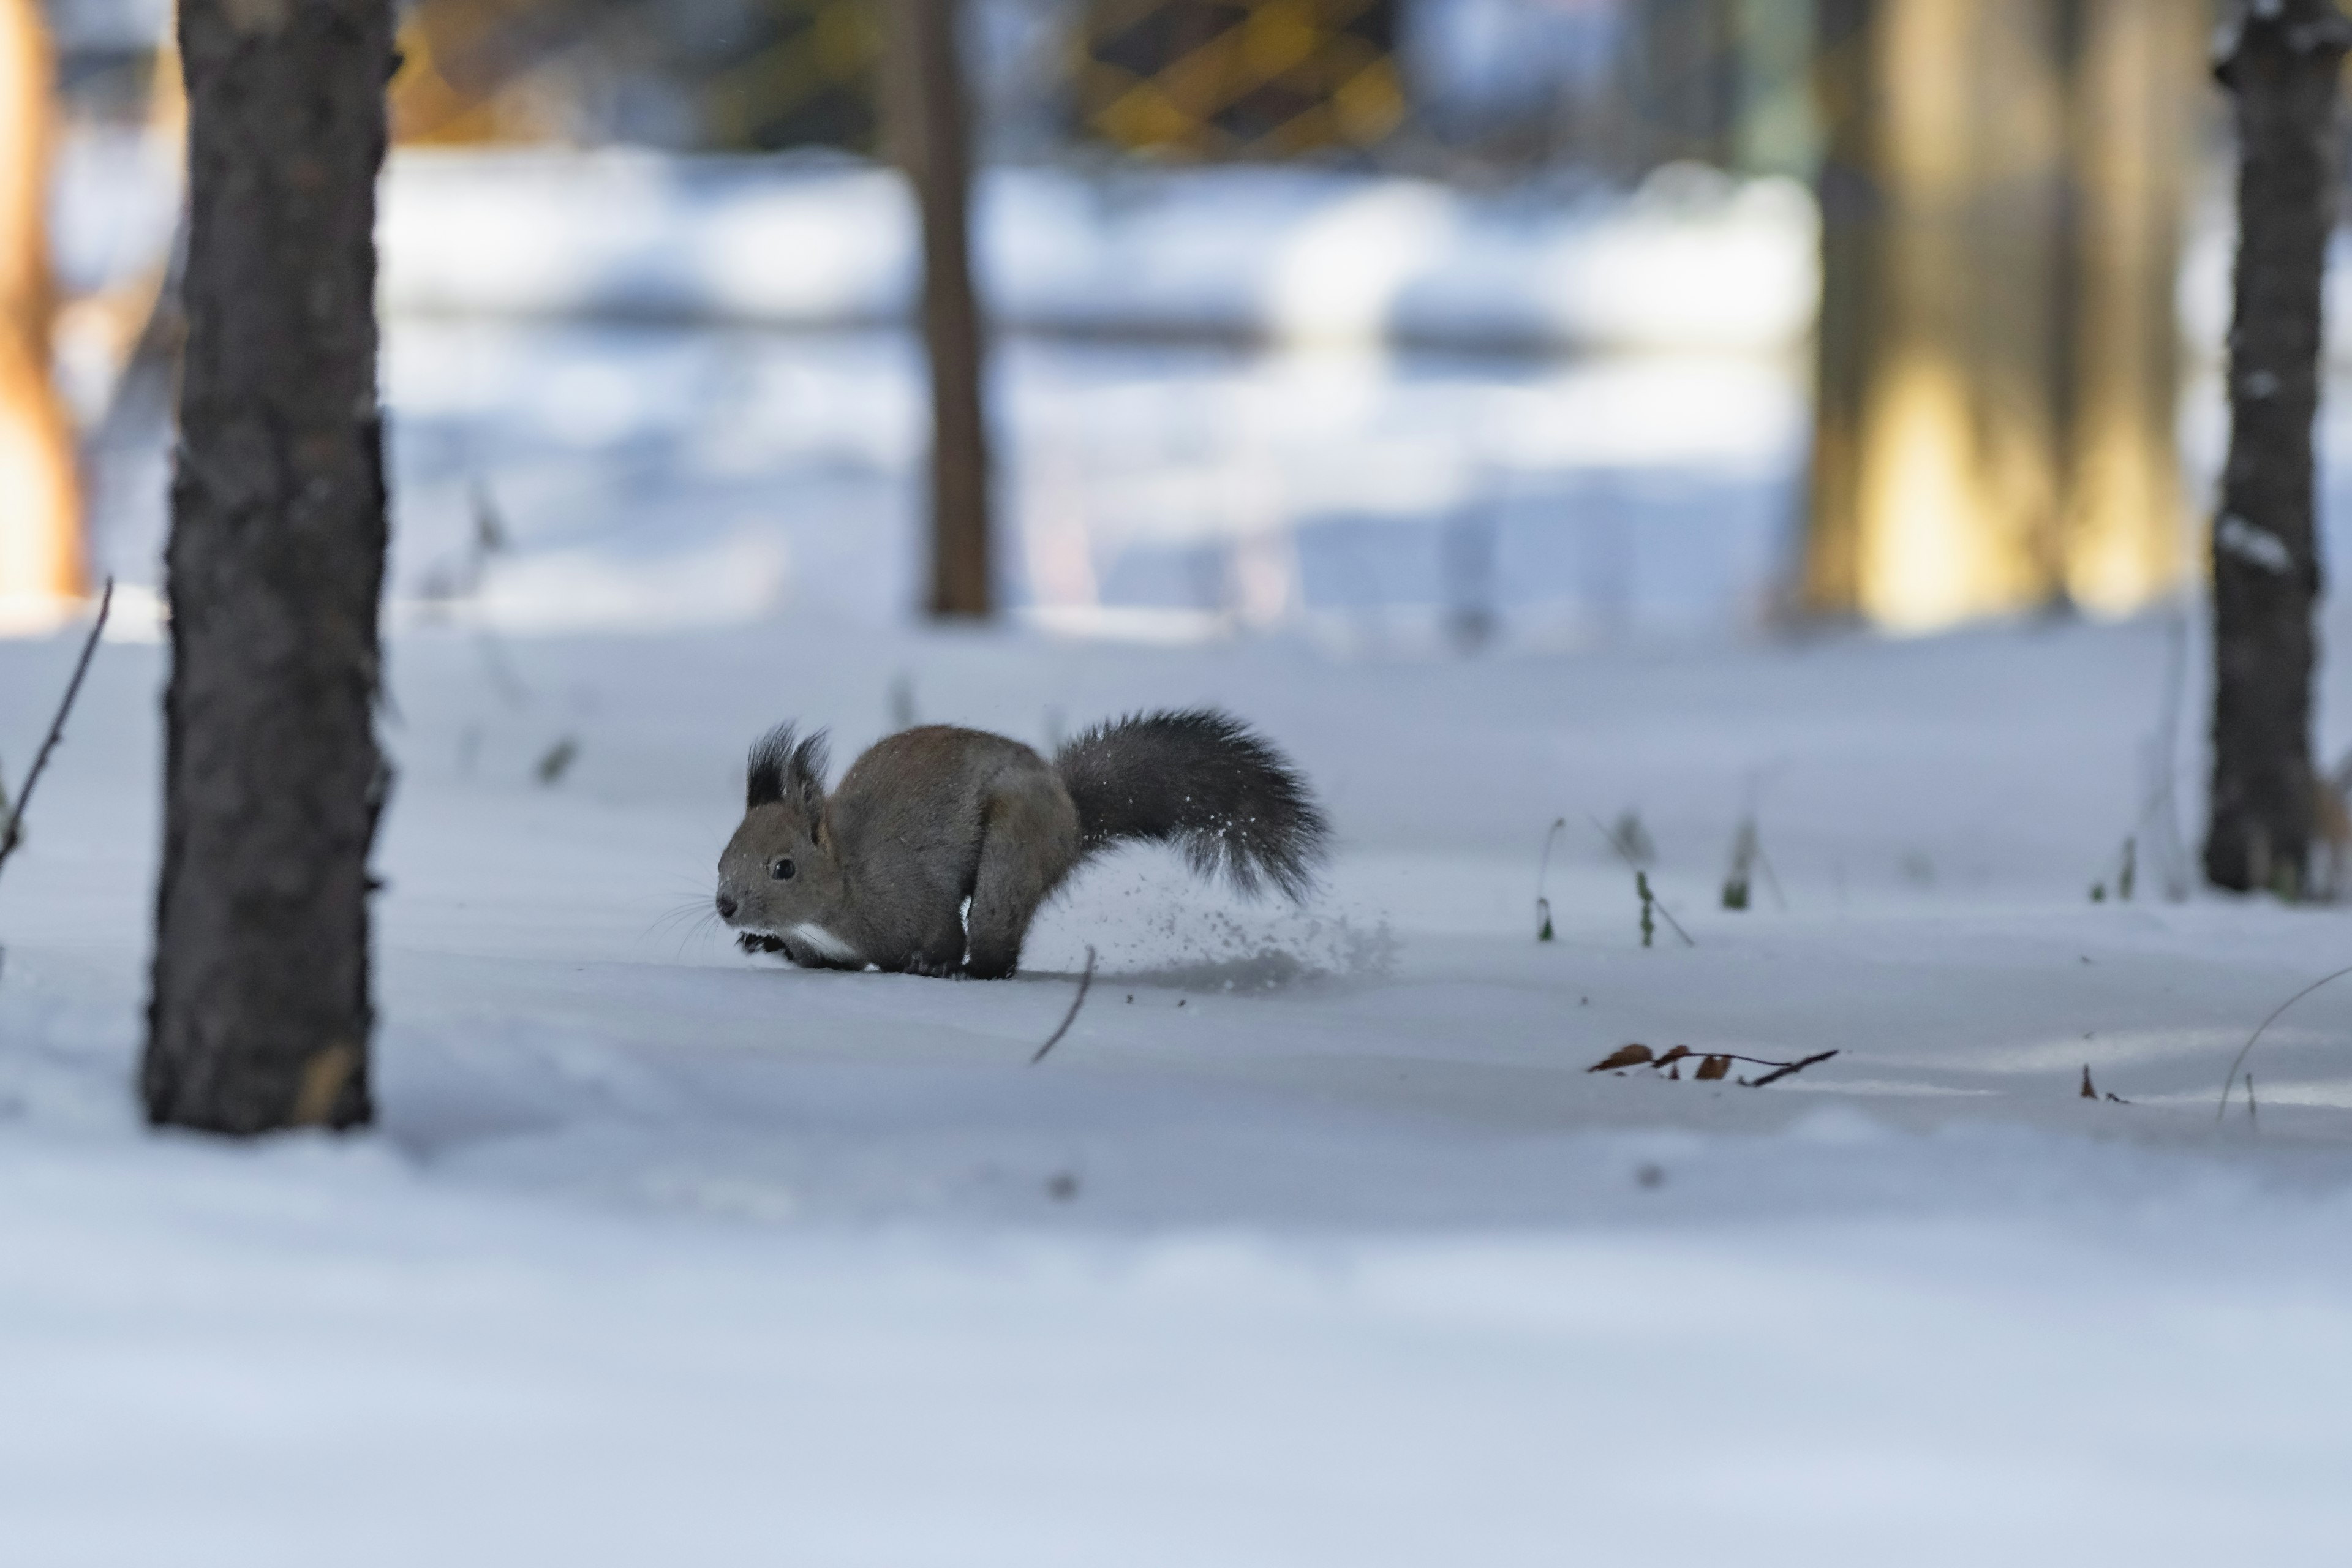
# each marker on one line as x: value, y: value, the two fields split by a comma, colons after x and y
x: 1543, y: 868
x: 1688, y: 940
x: 1771, y: 878
x: 2243, y: 1051
x: 14, y: 835
x: 1640, y: 1057
x: 2164, y: 749
x: 1086, y: 984
x: 1614, y: 842
x: 1775, y: 1076
x: 1543, y: 871
x: 1639, y: 873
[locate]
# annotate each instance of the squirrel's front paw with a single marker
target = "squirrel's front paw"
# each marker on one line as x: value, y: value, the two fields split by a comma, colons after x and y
x: 759, y: 941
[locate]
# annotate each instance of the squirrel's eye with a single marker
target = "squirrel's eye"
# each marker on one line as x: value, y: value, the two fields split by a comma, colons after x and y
x: 783, y: 869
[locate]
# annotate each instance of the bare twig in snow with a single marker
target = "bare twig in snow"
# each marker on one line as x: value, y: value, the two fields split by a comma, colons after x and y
x: 1543, y: 871
x: 1640, y: 880
x: 1712, y: 1065
x: 15, y: 834
x: 2243, y: 1051
x: 1086, y: 984
x: 1786, y: 1069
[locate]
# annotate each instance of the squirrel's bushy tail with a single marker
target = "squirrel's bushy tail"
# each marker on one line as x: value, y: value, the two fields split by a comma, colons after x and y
x: 1199, y: 779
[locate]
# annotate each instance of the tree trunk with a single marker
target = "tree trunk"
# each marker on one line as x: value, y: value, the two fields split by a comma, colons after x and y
x: 2130, y: 155
x: 1830, y: 584
x: 1934, y: 463
x: 1687, y: 89
x: 2279, y: 62
x: 40, y: 491
x: 2000, y: 200
x: 260, y: 1014
x: 932, y: 141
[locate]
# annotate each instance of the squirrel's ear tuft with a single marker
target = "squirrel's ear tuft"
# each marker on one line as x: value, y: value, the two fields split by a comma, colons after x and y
x: 763, y: 780
x: 804, y: 776
x: 785, y: 768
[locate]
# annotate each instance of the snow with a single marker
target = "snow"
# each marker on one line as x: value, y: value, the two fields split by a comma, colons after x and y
x: 1313, y: 1241
x: 1247, y: 253
x: 1323, y: 1248
x: 647, y: 477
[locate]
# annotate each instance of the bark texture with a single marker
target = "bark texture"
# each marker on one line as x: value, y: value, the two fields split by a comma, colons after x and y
x: 2279, y: 62
x: 260, y: 1013
x: 932, y: 137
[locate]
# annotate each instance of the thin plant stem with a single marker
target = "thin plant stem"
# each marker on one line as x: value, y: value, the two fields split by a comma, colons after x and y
x: 1543, y: 868
x: 1086, y: 983
x: 1640, y: 874
x: 2243, y: 1051
x: 15, y: 835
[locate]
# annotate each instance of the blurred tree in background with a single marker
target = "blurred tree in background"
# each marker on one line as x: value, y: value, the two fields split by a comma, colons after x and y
x: 928, y: 103
x: 40, y: 499
x: 2002, y: 198
x: 1686, y: 57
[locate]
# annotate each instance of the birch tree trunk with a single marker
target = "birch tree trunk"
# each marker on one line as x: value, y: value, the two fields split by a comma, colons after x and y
x: 932, y: 137
x: 2279, y: 59
x: 260, y: 1013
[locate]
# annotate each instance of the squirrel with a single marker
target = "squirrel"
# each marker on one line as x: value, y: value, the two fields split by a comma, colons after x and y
x: 940, y: 843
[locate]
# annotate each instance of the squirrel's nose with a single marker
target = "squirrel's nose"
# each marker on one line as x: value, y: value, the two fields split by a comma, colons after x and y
x: 726, y: 906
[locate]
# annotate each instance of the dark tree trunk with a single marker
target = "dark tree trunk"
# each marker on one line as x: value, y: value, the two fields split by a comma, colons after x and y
x: 933, y: 140
x: 260, y: 1014
x: 2279, y: 63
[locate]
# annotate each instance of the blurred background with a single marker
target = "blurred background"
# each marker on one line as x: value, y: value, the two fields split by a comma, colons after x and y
x: 1410, y: 324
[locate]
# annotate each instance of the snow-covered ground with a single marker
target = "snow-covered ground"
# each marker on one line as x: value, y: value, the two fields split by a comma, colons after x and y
x: 1312, y: 1243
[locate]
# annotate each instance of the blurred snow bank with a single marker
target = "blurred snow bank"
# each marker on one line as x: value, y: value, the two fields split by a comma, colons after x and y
x: 1695, y: 260
x: 644, y: 476
x: 1227, y: 399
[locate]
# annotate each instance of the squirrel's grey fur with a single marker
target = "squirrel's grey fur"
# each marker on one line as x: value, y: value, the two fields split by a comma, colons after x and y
x: 878, y: 871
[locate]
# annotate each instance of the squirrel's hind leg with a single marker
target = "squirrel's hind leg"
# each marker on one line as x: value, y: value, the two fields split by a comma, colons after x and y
x: 1029, y: 841
x: 938, y: 953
